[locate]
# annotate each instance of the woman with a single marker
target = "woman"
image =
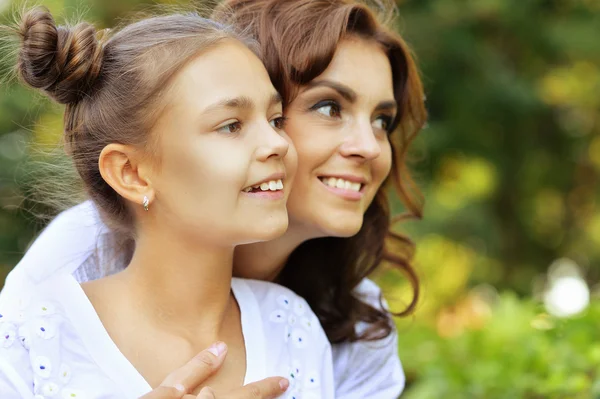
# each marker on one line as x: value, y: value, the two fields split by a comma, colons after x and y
x: 173, y: 126
x: 340, y: 109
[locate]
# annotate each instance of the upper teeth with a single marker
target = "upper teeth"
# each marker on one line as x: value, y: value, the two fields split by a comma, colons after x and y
x: 341, y: 183
x: 271, y: 185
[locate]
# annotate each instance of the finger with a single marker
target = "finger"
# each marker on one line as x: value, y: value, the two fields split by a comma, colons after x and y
x: 269, y: 388
x: 206, y: 393
x: 164, y: 392
x: 197, y: 370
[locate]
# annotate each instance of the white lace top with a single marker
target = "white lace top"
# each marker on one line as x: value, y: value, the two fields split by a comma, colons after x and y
x: 53, y: 345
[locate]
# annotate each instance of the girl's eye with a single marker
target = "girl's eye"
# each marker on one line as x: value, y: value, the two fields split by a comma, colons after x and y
x: 279, y: 122
x: 233, y: 127
x: 328, y: 108
x: 382, y: 122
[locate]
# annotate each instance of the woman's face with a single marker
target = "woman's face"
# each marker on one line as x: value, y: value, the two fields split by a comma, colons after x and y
x: 225, y: 164
x: 338, y: 124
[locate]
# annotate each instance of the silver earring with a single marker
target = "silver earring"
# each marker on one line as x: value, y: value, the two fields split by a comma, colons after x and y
x: 146, y: 203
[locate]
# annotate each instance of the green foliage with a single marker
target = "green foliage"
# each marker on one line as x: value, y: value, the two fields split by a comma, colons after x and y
x: 519, y: 352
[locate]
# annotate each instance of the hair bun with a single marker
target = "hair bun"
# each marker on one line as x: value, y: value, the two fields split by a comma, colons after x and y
x: 63, y: 61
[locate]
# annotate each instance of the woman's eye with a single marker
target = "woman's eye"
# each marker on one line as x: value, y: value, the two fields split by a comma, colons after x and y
x: 328, y: 108
x: 382, y: 122
x: 233, y: 127
x: 278, y: 123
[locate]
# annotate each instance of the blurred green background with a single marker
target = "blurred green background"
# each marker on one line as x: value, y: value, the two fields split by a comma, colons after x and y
x: 509, y: 248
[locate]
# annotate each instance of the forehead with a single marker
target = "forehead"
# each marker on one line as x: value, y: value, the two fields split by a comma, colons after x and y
x: 363, y: 66
x: 227, y: 70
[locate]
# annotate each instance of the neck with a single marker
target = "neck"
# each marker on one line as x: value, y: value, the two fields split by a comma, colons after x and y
x: 265, y: 260
x: 178, y: 284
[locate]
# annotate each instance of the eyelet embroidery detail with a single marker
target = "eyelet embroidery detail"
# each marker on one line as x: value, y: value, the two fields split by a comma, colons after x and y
x: 291, y: 320
x: 299, y: 338
x: 64, y: 373
x: 45, y: 309
x: 308, y: 324
x: 8, y: 334
x: 42, y: 366
x: 299, y: 326
x: 299, y: 307
x: 72, y: 394
x: 44, y: 329
x: 24, y: 337
x: 287, y: 334
x: 312, y: 380
x: 296, y: 369
x: 50, y: 389
x: 284, y: 302
x: 277, y: 316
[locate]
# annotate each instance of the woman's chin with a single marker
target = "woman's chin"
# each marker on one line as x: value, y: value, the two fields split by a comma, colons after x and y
x: 344, y: 230
x: 329, y: 225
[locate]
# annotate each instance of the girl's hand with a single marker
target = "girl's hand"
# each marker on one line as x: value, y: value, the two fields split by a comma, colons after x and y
x: 269, y: 388
x: 206, y: 363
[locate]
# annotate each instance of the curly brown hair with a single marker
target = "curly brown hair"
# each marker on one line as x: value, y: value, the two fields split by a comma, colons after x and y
x: 298, y: 39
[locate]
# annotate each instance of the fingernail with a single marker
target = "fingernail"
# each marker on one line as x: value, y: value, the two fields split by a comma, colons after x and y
x: 221, y: 347
x: 284, y: 384
x: 217, y: 348
x: 213, y: 349
x: 179, y: 387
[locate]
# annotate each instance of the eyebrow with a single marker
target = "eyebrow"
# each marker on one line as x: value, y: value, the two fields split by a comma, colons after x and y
x: 350, y: 95
x: 344, y: 91
x: 242, y: 102
x: 390, y: 105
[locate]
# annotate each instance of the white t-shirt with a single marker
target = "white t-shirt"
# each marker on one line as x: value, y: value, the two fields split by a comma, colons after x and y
x: 54, y: 345
x: 75, y: 239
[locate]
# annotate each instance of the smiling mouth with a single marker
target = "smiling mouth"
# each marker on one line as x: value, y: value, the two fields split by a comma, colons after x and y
x: 335, y: 182
x: 271, y: 185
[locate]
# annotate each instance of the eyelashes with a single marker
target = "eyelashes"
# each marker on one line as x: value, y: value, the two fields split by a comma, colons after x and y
x: 230, y: 128
x: 333, y: 109
x: 279, y: 122
x: 234, y: 127
x: 329, y: 108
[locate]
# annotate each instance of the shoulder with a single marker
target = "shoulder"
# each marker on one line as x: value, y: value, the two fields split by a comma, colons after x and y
x: 282, y: 309
x: 45, y: 347
x: 368, y: 369
x: 28, y: 346
x: 369, y: 292
x: 16, y: 374
x: 61, y: 247
x: 272, y: 295
x: 296, y: 344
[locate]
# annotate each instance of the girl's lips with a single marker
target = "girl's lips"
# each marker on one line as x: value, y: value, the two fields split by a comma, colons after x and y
x: 268, y: 195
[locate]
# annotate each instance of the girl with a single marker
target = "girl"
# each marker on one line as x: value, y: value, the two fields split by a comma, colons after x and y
x: 176, y: 131
x: 354, y: 103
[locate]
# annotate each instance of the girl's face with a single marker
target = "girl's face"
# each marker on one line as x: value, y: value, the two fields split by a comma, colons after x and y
x: 225, y: 164
x: 338, y: 124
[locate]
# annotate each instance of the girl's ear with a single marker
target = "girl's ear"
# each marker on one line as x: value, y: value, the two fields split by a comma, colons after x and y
x: 122, y: 168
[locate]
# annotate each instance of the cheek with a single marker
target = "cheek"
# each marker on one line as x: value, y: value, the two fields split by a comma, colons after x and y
x: 291, y: 162
x: 192, y: 174
x: 312, y: 142
x: 383, y: 164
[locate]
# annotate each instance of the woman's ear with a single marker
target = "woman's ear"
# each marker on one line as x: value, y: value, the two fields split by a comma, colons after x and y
x: 123, y: 168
